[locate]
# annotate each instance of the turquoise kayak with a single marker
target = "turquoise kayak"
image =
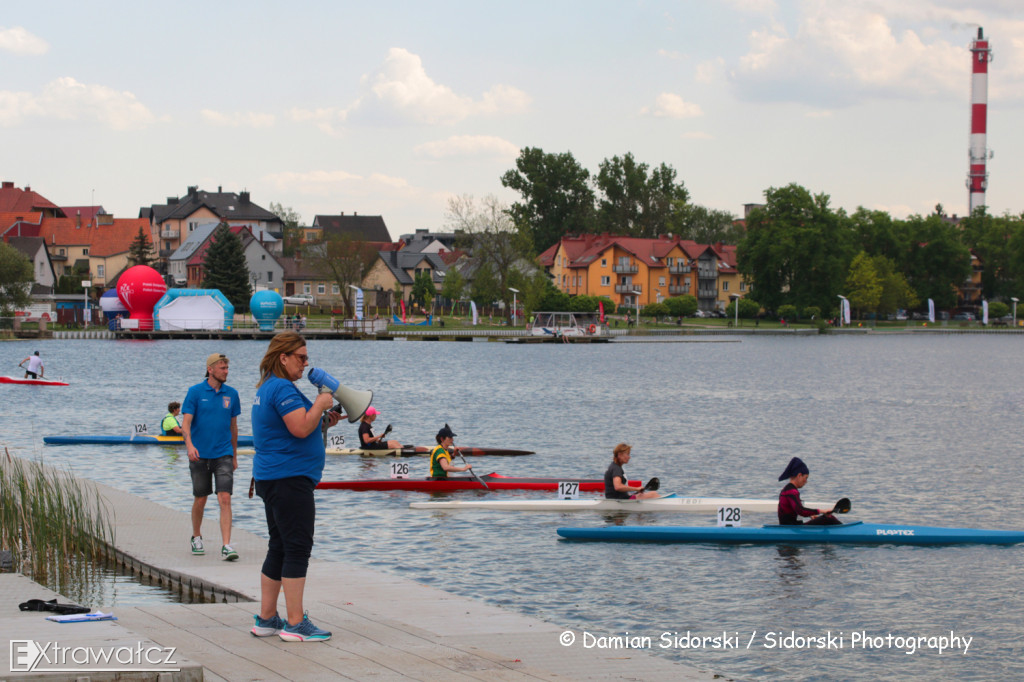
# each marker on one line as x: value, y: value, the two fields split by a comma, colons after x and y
x: 856, y: 532
x: 243, y: 441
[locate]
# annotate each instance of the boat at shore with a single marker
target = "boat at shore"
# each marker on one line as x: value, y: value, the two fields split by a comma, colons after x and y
x: 413, y: 451
x: 32, y: 382
x: 856, y: 532
x: 665, y: 503
x: 452, y: 484
x: 126, y: 440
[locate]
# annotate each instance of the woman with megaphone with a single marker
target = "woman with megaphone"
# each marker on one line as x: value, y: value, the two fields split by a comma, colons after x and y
x: 289, y: 462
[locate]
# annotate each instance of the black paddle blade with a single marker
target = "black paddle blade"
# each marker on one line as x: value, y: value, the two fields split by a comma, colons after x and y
x: 842, y: 506
x: 653, y: 484
x: 387, y: 430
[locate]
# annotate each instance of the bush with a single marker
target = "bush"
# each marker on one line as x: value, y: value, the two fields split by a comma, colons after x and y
x: 812, y: 312
x: 654, y: 310
x: 583, y: 304
x: 787, y: 312
x: 997, y: 309
x: 681, y: 306
x: 609, y: 305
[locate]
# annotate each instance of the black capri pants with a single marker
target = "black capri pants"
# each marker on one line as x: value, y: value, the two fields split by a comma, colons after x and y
x: 291, y: 516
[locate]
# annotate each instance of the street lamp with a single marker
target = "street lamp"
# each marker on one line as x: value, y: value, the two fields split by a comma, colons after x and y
x: 358, y: 310
x: 85, y: 297
x: 1014, y: 299
x: 736, y: 306
x: 514, y: 292
x: 637, y: 302
x: 842, y: 310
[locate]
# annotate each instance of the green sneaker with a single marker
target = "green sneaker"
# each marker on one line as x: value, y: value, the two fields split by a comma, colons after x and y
x: 228, y: 554
x: 197, y: 545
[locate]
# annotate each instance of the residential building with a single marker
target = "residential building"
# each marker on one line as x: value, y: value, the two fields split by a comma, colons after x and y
x: 397, y: 270
x: 367, y: 228
x: 265, y: 271
x: 34, y: 248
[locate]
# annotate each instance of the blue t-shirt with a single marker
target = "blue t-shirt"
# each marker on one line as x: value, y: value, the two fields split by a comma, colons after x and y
x: 212, y: 412
x: 279, y: 454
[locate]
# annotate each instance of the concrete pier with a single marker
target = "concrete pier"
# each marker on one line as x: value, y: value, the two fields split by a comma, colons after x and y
x: 385, y: 627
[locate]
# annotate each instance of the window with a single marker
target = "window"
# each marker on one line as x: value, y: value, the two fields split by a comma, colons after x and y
x: 100, y: 271
x: 263, y: 257
x: 62, y: 252
x: 604, y: 262
x: 743, y: 286
x: 270, y: 276
x: 192, y: 225
x: 669, y: 260
x: 661, y: 281
x: 321, y: 289
x: 725, y: 286
x: 167, y: 246
x: 85, y: 251
x: 306, y: 288
x: 335, y: 290
x: 606, y: 280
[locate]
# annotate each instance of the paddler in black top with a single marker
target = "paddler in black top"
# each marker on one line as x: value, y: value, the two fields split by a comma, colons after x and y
x: 790, y: 506
x: 616, y: 485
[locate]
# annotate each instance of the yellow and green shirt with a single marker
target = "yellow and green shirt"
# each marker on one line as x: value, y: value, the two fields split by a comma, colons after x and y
x: 436, y: 455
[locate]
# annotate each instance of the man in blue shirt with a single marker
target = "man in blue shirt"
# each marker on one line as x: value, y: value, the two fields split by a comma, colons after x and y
x: 210, y: 428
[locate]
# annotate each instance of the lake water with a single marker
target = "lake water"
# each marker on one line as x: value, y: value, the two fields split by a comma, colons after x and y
x: 913, y: 428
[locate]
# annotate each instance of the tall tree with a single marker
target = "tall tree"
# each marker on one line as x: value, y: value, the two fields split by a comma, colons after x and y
x: 896, y: 290
x: 141, y: 250
x: 988, y: 238
x: 291, y: 223
x: 423, y: 289
x: 557, y: 198
x: 16, y: 277
x: 454, y: 285
x: 705, y: 225
x: 636, y: 203
x: 863, y: 285
x: 224, y: 268
x: 938, y: 262
x: 343, y: 259
x: 497, y: 250
x: 797, y: 250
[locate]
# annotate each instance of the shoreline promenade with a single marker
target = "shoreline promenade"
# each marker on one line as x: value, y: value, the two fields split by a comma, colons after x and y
x: 384, y: 627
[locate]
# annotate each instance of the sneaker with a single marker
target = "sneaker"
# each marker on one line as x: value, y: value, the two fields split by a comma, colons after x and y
x: 303, y: 632
x: 197, y: 545
x: 228, y: 554
x: 268, y: 627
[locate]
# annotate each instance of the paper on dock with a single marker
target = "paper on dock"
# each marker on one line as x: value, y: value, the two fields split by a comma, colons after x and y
x: 82, y: 617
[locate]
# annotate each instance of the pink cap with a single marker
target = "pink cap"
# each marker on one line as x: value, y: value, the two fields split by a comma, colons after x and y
x: 372, y: 412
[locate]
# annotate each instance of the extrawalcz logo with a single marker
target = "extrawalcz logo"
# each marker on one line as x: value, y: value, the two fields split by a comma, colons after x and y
x: 49, y: 657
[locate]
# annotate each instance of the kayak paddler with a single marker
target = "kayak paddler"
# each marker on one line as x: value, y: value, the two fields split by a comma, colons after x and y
x: 441, y: 456
x: 169, y: 425
x: 790, y: 506
x: 616, y: 485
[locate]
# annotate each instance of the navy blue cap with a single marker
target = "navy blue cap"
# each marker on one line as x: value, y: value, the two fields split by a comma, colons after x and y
x: 795, y: 466
x: 446, y: 432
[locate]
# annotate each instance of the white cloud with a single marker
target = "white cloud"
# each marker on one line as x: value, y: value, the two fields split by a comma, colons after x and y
x: 238, y: 119
x: 333, y: 183
x: 68, y: 100
x: 19, y: 41
x: 669, y: 105
x: 401, y: 91
x: 325, y: 118
x: 712, y: 71
x: 468, y: 146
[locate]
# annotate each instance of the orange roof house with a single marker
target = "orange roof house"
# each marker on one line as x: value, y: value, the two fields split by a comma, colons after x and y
x: 14, y: 199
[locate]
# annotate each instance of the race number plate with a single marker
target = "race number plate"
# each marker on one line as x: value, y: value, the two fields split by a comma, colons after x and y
x: 139, y: 430
x: 335, y: 441
x: 399, y: 469
x: 568, y: 490
x: 729, y: 516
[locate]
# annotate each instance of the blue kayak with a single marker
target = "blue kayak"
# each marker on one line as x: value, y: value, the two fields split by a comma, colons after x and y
x: 243, y: 441
x: 855, y: 532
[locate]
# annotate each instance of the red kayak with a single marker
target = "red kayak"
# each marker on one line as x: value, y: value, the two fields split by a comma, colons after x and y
x: 493, y: 481
x: 33, y: 382
x: 413, y: 450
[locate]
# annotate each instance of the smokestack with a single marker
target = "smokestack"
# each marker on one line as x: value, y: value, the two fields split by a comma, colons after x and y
x: 977, y: 176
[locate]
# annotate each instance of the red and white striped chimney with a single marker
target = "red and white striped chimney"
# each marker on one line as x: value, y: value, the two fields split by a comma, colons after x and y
x: 977, y: 177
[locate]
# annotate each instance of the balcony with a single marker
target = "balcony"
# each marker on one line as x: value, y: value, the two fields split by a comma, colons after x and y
x: 628, y: 288
x: 169, y: 234
x: 626, y: 269
x: 680, y: 269
x: 703, y: 292
x: 677, y: 290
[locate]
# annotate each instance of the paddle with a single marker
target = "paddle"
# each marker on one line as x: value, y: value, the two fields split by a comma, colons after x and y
x: 654, y: 484
x: 842, y: 506
x: 473, y: 473
x: 386, y: 432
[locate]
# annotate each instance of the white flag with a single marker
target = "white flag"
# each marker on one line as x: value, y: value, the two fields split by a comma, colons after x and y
x: 846, y: 310
x: 984, y: 312
x: 931, y: 310
x: 359, y: 304
x: 472, y: 304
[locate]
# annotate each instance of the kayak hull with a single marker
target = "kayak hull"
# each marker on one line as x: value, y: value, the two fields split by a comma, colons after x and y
x: 493, y: 481
x: 32, y: 382
x: 412, y: 451
x: 126, y: 440
x: 667, y: 503
x: 851, y: 533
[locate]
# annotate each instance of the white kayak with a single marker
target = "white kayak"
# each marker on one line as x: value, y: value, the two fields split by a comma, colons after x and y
x: 388, y: 452
x: 666, y: 503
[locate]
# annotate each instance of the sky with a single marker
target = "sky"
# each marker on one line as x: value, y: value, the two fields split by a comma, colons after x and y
x: 392, y: 108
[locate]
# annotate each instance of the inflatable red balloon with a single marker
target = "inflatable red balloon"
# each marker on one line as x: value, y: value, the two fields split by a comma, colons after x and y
x: 139, y: 288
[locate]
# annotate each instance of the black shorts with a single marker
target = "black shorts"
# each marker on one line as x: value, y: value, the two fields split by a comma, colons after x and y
x: 206, y: 471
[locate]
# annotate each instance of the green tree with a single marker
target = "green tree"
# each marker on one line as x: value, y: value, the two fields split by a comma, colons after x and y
x: 225, y: 269
x: 988, y: 238
x: 705, y: 225
x: 681, y: 306
x: 291, y: 229
x: 749, y: 308
x: 938, y: 262
x: 896, y: 290
x: 863, y: 285
x: 343, y: 259
x: 141, y: 250
x: 557, y: 198
x: 454, y: 285
x: 654, y: 310
x: 496, y: 248
x: 636, y: 203
x: 16, y: 277
x: 554, y: 300
x: 797, y: 250
x: 423, y: 289
x: 997, y: 309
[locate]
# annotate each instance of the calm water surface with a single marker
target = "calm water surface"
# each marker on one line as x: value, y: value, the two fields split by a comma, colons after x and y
x: 914, y: 429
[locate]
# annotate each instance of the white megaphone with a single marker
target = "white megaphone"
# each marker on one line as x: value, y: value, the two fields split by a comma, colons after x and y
x: 355, y: 402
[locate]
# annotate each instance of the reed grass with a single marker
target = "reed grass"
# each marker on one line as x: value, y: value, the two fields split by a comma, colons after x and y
x: 54, y: 528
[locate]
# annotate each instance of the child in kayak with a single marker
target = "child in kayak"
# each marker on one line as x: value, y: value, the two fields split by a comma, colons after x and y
x: 441, y: 456
x: 790, y: 506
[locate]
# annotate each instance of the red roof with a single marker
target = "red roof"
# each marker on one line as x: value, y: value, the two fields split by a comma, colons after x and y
x: 13, y: 199
x: 102, y: 240
x: 582, y: 250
